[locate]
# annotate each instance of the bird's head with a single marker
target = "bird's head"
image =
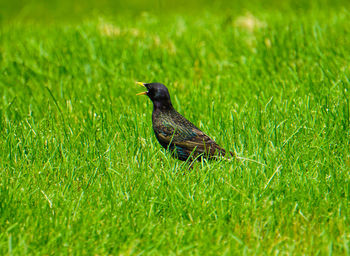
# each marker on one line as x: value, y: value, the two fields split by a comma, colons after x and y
x: 158, y: 94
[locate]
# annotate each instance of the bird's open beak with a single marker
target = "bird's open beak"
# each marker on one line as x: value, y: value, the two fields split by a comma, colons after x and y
x: 142, y: 84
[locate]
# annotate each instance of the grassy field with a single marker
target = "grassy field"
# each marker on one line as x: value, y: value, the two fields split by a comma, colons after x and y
x: 82, y: 173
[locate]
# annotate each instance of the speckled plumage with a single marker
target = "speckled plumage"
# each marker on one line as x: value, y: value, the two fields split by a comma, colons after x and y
x: 176, y: 133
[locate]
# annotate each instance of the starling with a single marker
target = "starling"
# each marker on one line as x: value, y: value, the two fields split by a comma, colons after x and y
x: 176, y: 133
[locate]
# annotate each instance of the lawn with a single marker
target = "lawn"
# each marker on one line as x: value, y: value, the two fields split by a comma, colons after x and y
x: 81, y: 172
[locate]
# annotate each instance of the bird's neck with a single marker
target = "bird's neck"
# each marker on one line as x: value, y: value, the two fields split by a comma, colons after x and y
x: 162, y: 106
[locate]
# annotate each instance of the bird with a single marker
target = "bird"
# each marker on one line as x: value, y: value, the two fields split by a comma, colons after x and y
x: 174, y: 132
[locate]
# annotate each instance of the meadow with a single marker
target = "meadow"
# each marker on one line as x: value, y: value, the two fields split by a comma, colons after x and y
x: 81, y: 172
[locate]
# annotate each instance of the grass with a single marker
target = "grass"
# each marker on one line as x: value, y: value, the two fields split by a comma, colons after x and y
x: 82, y: 173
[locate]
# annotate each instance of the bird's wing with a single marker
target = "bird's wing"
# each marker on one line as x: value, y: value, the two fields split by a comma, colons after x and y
x: 187, y: 138
x: 196, y: 146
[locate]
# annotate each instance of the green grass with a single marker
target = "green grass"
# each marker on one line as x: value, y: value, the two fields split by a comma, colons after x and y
x: 81, y: 170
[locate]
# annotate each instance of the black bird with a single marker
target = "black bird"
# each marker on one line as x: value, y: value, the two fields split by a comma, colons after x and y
x: 176, y: 133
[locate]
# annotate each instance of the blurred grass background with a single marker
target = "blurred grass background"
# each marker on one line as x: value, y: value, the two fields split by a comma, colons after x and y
x: 69, y: 11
